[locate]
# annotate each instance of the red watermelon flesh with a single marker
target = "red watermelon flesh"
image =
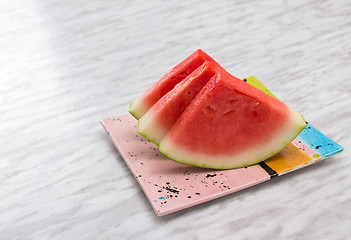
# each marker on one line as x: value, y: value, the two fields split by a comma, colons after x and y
x: 231, y: 124
x: 155, y: 124
x: 142, y: 104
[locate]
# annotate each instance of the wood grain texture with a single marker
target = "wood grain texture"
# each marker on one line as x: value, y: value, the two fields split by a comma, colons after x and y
x: 64, y: 65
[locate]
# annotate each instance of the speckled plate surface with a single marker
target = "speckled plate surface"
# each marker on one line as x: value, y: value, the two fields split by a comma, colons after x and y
x: 170, y: 186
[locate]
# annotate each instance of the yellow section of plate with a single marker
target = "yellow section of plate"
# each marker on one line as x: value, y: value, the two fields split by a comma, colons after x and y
x: 288, y: 159
x: 254, y: 82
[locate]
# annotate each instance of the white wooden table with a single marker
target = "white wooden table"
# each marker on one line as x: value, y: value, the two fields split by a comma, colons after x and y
x: 64, y: 65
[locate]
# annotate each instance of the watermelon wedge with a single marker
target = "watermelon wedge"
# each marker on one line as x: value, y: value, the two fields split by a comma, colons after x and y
x: 155, y: 124
x: 142, y: 104
x: 231, y: 124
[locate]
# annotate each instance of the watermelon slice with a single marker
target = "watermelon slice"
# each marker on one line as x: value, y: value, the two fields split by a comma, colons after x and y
x: 142, y: 104
x: 231, y: 124
x: 155, y: 124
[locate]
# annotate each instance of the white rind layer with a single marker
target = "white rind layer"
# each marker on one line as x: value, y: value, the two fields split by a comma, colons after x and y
x: 137, y: 108
x: 252, y: 156
x: 149, y: 128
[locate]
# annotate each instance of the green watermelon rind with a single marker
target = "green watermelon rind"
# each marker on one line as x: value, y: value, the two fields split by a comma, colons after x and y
x: 143, y: 129
x: 137, y: 109
x: 132, y: 111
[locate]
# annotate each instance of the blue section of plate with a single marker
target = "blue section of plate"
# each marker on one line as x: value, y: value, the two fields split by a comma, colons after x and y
x: 320, y: 143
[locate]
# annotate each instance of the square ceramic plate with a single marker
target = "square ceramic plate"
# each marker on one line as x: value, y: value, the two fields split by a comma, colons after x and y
x: 170, y: 186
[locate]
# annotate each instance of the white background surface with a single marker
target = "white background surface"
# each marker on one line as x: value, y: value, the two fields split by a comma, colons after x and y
x: 64, y: 65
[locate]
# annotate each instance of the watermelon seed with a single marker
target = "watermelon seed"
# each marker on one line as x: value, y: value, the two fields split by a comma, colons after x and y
x: 183, y: 74
x: 229, y: 113
x: 231, y: 101
x: 210, y: 109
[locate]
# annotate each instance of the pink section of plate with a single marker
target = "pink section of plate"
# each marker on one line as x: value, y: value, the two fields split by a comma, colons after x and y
x: 170, y: 186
